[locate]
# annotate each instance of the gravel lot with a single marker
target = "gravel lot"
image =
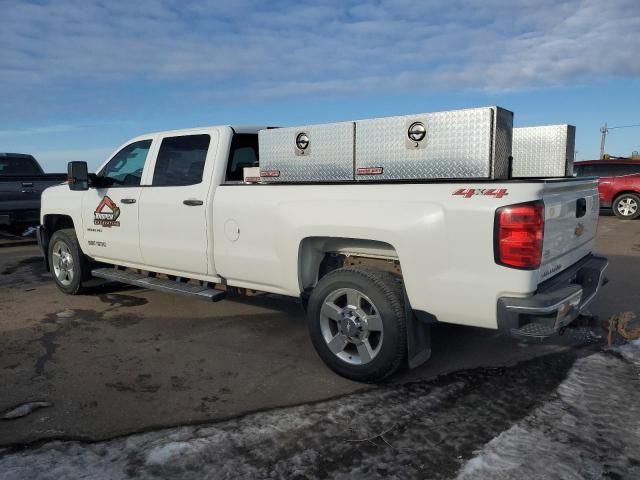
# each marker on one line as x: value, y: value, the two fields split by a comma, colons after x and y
x: 123, y: 360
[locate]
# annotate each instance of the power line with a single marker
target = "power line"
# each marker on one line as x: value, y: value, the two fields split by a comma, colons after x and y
x: 605, y: 130
x: 624, y: 126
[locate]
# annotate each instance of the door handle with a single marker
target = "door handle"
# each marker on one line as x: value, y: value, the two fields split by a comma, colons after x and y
x: 193, y: 203
x: 128, y: 200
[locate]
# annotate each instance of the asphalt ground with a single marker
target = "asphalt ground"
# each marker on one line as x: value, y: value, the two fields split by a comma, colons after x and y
x: 120, y: 360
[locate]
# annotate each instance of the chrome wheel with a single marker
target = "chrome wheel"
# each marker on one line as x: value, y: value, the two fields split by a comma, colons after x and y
x: 63, y: 266
x: 351, y: 326
x: 627, y: 206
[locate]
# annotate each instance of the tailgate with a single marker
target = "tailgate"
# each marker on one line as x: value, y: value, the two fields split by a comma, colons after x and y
x: 571, y: 219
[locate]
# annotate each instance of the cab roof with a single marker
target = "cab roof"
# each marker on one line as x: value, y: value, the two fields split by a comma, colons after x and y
x: 186, y: 131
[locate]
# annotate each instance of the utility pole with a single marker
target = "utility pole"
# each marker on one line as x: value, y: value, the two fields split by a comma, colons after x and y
x: 604, y: 130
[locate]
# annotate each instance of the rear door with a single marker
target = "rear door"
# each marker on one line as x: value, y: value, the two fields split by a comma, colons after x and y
x: 173, y: 219
x: 571, y: 220
x: 607, y: 182
x: 110, y: 214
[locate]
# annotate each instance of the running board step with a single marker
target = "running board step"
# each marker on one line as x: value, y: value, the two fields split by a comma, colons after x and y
x: 162, y: 284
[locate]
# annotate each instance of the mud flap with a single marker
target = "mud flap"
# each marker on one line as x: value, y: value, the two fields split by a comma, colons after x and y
x: 43, y: 243
x: 418, y: 337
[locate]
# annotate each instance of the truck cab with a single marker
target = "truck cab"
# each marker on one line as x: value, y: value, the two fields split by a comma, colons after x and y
x: 149, y: 205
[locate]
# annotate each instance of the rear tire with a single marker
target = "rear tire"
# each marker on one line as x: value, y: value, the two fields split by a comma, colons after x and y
x: 68, y: 265
x: 627, y: 206
x: 357, y: 323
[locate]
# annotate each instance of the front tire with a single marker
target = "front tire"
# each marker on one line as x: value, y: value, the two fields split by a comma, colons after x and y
x: 357, y: 323
x: 68, y: 265
x: 627, y: 206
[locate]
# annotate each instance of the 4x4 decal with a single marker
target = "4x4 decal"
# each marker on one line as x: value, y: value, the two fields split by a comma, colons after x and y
x: 487, y: 192
x: 107, y: 213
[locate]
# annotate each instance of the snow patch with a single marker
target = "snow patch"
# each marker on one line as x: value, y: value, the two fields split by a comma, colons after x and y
x: 481, y: 424
x: 170, y: 451
x: 590, y: 429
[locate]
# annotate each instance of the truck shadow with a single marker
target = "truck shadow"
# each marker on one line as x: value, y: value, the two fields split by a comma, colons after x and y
x: 455, y: 347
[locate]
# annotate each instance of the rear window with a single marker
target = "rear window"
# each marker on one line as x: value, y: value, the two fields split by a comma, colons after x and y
x: 181, y: 160
x: 18, y: 165
x: 607, y: 170
x: 243, y: 153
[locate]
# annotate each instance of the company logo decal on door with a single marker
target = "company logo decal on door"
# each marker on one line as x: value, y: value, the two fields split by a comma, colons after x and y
x: 107, y: 213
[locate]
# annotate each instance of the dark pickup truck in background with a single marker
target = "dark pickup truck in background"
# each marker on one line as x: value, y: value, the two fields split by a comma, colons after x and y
x: 22, y: 182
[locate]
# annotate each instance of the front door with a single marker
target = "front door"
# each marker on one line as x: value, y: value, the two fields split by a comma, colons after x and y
x: 110, y: 213
x: 173, y: 210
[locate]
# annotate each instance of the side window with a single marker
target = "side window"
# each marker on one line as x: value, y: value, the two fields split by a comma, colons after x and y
x: 586, y: 170
x: 601, y: 170
x: 181, y: 160
x: 125, y: 168
x: 628, y: 169
x: 243, y: 153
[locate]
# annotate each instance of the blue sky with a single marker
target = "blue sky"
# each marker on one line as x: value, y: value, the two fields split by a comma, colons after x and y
x: 80, y: 77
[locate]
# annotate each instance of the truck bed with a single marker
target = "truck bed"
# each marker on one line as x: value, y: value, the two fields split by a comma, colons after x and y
x: 441, y: 231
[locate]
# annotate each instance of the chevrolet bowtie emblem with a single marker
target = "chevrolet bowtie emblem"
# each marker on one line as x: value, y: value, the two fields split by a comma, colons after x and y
x: 579, y: 230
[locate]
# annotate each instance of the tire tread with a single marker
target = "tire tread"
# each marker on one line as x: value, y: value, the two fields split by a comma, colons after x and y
x: 391, y: 287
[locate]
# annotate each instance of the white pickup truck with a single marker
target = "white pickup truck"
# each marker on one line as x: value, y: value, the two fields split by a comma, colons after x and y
x: 375, y: 263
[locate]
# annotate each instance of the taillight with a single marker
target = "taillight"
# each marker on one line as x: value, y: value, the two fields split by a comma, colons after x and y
x: 519, y: 230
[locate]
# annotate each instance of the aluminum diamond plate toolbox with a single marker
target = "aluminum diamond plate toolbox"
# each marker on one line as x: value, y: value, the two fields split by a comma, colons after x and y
x: 471, y: 143
x: 545, y: 151
x: 314, y: 153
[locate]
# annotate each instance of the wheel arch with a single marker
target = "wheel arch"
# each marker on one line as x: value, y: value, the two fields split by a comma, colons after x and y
x: 624, y: 192
x: 317, y: 256
x: 54, y: 222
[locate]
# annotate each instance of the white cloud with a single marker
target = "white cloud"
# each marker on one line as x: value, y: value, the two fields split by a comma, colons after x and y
x: 61, y: 128
x: 321, y: 46
x: 50, y: 129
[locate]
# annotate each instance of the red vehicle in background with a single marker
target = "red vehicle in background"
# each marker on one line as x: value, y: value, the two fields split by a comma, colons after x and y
x: 619, y: 184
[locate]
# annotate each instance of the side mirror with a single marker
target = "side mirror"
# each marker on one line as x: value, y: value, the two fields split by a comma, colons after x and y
x: 78, y: 176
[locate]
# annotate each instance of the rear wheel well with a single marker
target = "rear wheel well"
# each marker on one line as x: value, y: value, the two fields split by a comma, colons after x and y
x: 624, y: 192
x: 319, y: 256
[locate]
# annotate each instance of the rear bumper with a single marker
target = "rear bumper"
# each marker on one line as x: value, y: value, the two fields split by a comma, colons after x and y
x: 556, y: 303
